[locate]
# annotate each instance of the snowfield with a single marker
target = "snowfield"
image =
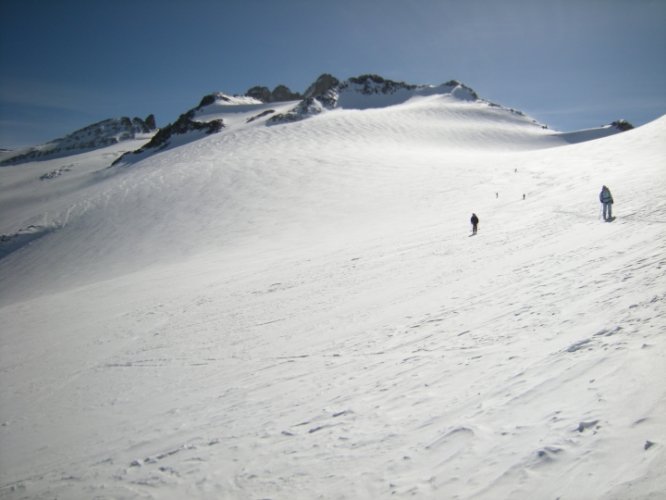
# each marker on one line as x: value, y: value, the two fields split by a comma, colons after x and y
x: 297, y: 311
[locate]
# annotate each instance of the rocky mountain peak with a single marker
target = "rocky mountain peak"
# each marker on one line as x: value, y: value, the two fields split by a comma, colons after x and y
x: 322, y: 85
x: 281, y: 93
x: 375, y: 84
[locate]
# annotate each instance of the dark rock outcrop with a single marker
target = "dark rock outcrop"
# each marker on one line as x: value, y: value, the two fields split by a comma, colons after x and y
x: 260, y: 115
x: 622, y: 125
x: 321, y: 86
x: 375, y: 84
x: 281, y: 93
x: 150, y: 122
x: 461, y: 90
x: 262, y: 94
x: 182, y: 126
x: 322, y: 94
x: 209, y: 99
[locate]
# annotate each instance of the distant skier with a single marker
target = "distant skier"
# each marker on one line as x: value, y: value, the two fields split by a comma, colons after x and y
x: 606, y: 199
x: 475, y: 222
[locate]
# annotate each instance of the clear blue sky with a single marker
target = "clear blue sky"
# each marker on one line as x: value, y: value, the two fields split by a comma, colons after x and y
x: 570, y: 64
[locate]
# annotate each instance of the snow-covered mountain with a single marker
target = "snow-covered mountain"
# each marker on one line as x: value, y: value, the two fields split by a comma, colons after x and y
x: 95, y: 136
x: 326, y: 93
x: 259, y: 106
x: 363, y: 92
x: 294, y: 309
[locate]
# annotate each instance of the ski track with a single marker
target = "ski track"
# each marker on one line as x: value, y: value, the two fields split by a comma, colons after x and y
x: 364, y: 349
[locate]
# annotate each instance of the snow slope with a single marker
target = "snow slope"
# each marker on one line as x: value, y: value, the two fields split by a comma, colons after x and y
x: 297, y: 311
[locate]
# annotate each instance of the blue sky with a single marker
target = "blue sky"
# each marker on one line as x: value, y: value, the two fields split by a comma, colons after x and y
x: 570, y: 64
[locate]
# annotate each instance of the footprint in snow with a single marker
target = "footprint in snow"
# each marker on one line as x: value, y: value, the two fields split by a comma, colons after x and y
x: 547, y: 454
x: 586, y: 425
x: 578, y: 345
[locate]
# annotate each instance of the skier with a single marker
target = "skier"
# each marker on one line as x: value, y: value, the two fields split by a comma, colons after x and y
x: 606, y: 199
x: 475, y: 222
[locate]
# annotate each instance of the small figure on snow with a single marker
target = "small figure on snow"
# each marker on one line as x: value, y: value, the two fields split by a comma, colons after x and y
x: 475, y: 222
x: 606, y: 199
x: 523, y: 196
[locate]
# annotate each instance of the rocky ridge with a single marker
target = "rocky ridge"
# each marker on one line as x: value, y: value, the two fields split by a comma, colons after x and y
x: 327, y: 92
x: 184, y: 125
x: 98, y: 135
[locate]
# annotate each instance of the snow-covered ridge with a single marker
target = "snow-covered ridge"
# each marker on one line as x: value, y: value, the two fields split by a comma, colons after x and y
x: 95, y: 136
x: 261, y: 107
x: 209, y: 117
x: 596, y: 133
x: 366, y: 92
x: 376, y: 85
x: 374, y: 91
x: 222, y: 99
x: 180, y: 132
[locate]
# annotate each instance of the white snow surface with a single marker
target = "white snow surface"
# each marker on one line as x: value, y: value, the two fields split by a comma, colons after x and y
x: 297, y: 312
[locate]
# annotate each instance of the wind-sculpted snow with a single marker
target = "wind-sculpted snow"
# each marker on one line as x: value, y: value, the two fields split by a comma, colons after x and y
x: 297, y: 311
x: 11, y: 242
x: 597, y: 133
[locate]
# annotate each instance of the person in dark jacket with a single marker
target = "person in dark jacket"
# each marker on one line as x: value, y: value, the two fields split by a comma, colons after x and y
x: 475, y: 222
x: 606, y: 199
